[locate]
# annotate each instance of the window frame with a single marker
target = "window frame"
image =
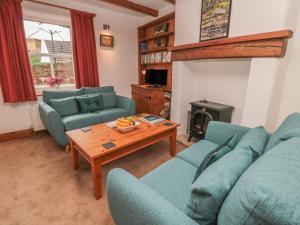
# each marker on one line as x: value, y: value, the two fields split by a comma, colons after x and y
x: 39, y: 90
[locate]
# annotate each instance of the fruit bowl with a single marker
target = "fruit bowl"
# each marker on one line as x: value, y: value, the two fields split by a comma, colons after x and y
x: 126, y: 124
x: 129, y: 128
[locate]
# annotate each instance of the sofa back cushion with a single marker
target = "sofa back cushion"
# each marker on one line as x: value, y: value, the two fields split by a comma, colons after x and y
x: 90, y: 103
x: 268, y: 192
x: 109, y: 100
x: 213, y: 185
x: 289, y: 128
x: 97, y: 90
x: 217, y: 154
x: 57, y: 94
x: 65, y: 106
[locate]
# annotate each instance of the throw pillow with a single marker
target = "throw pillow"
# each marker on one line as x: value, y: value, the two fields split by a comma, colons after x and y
x: 109, y: 100
x: 216, y: 154
x: 90, y: 103
x: 268, y: 192
x: 65, y: 106
x: 213, y: 185
x: 289, y: 128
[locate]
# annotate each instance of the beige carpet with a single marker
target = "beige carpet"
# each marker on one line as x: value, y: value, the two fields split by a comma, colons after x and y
x: 38, y: 186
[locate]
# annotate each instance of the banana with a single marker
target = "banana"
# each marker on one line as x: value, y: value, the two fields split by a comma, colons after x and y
x: 125, y: 121
x: 121, y: 124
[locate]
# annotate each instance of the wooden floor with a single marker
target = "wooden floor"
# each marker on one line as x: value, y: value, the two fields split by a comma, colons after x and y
x: 38, y: 185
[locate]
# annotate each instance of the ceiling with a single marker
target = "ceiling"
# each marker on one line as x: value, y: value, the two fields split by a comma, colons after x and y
x: 155, y: 4
x: 92, y: 5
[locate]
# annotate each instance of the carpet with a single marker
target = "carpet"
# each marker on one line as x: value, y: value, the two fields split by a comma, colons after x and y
x: 38, y: 185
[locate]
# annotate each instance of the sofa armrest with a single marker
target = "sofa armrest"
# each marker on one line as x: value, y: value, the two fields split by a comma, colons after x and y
x: 132, y: 202
x: 219, y: 132
x: 126, y: 103
x: 53, y: 123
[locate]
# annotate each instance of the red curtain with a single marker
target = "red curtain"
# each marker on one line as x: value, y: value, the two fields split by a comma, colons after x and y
x: 84, y: 49
x: 15, y: 73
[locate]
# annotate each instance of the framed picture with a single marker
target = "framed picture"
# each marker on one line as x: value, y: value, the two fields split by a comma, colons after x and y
x: 161, y: 42
x: 215, y: 19
x: 106, y: 40
x: 161, y: 28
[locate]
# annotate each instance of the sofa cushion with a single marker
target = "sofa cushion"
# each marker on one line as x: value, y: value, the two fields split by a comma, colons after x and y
x: 57, y: 94
x: 97, y: 90
x: 109, y: 100
x: 217, y: 154
x: 172, y: 180
x: 112, y: 114
x: 197, y: 152
x: 268, y: 192
x: 89, y: 103
x: 81, y: 120
x: 65, y: 106
x: 289, y: 128
x: 213, y: 185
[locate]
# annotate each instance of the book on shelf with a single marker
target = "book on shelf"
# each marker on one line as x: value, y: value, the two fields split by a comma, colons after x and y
x: 159, y: 57
x: 144, y: 47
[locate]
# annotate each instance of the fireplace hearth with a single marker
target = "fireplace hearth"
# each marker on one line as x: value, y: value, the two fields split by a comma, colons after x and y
x: 203, y: 112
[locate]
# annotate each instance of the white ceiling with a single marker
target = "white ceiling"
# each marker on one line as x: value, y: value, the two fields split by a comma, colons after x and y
x: 92, y: 5
x: 155, y: 4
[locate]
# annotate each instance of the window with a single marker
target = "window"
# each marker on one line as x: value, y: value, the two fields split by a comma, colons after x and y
x: 50, y: 53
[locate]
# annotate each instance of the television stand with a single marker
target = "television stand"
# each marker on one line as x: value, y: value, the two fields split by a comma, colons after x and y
x: 155, y: 86
x: 148, y: 98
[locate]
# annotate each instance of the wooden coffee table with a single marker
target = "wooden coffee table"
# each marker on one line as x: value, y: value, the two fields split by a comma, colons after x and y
x: 90, y: 145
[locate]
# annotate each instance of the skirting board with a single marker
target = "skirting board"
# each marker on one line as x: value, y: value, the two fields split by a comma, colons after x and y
x: 16, y: 135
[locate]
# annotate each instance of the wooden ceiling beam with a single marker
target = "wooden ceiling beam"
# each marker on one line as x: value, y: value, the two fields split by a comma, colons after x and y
x: 171, y: 1
x: 133, y: 6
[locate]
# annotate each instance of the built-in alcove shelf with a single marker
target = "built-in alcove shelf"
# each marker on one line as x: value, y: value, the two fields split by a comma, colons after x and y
x: 271, y: 44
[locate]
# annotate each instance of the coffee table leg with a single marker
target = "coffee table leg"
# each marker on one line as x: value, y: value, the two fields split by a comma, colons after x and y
x: 173, y: 143
x: 74, y: 156
x: 97, y: 177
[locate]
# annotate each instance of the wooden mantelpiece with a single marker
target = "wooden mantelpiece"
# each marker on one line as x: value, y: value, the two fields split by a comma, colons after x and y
x: 272, y: 44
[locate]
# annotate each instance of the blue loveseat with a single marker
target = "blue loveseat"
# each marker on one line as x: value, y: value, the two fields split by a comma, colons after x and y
x: 264, y: 192
x: 66, y: 116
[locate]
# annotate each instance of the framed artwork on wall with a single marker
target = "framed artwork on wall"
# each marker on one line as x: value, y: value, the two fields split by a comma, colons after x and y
x: 215, y: 19
x: 106, y: 40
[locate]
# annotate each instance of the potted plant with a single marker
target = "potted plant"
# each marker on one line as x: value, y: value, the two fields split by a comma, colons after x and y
x: 55, y: 82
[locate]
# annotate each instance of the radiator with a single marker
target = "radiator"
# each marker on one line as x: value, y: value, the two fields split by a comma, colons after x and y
x: 36, y: 120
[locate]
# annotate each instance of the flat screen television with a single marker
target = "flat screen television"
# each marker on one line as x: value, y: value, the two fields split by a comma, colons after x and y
x: 156, y: 77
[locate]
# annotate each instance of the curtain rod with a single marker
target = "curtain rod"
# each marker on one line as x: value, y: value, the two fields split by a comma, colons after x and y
x: 53, y: 5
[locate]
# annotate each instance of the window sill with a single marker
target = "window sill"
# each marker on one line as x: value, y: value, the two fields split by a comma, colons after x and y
x: 39, y: 90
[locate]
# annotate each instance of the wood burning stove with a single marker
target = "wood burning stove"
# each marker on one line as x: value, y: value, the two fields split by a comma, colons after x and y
x: 203, y: 112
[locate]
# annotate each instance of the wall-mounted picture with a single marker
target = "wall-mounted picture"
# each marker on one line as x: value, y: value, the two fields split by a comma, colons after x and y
x: 106, y: 40
x: 215, y: 19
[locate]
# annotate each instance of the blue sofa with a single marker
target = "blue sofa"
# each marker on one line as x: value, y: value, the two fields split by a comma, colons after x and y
x: 264, y: 192
x: 66, y: 116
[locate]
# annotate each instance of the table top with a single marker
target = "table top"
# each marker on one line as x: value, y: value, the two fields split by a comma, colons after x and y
x: 91, y: 142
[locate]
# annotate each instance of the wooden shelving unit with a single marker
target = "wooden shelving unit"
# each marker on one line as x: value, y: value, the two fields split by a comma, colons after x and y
x: 146, y: 33
x: 155, y: 36
x: 159, y: 57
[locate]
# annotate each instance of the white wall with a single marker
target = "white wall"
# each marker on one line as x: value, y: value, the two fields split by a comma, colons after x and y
x: 213, y: 80
x: 164, y: 11
x: 117, y: 66
x: 289, y: 100
x: 259, y: 81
